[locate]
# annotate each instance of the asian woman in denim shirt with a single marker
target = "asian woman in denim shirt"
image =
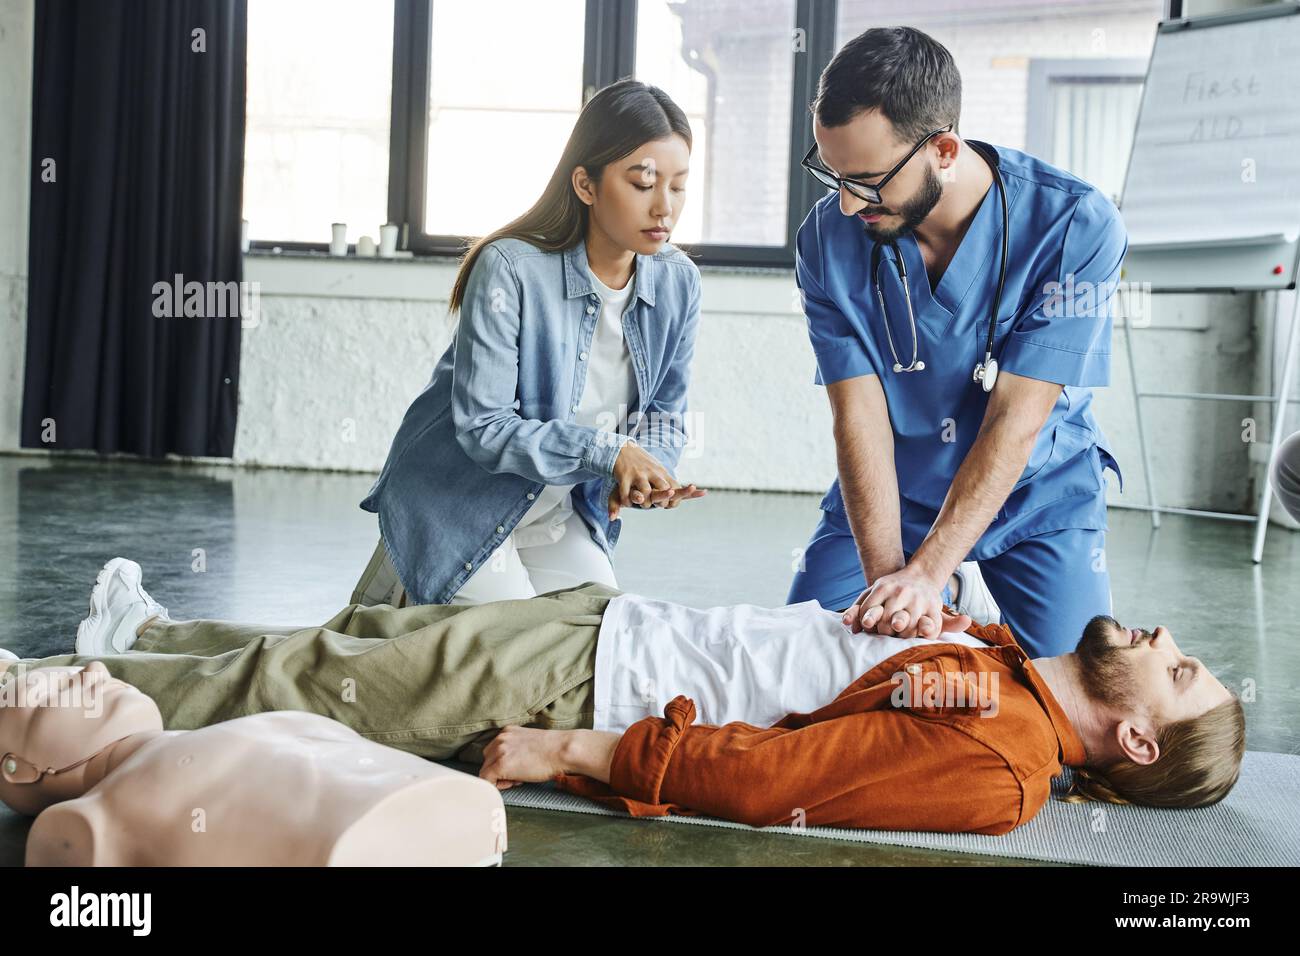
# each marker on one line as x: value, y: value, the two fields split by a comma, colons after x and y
x: 563, y: 394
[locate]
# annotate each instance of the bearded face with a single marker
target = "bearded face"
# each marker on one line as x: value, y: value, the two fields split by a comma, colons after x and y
x: 913, y: 212
x: 1105, y: 656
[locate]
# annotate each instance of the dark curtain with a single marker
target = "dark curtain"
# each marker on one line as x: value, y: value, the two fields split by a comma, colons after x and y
x: 146, y: 136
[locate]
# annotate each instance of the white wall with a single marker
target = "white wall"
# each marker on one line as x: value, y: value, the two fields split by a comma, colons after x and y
x: 16, y: 21
x: 343, y: 346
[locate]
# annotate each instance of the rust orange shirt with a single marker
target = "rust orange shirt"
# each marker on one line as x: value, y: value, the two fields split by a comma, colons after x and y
x: 939, y: 737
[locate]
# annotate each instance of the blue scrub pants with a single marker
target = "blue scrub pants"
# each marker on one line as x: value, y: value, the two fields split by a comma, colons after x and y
x: 1048, y: 585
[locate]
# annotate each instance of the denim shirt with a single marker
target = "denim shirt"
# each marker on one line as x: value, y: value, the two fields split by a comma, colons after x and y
x: 495, y: 425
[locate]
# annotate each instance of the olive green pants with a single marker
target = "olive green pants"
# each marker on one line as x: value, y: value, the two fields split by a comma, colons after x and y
x: 437, y: 680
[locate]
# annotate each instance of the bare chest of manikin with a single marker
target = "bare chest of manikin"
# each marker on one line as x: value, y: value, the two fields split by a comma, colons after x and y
x: 284, y: 788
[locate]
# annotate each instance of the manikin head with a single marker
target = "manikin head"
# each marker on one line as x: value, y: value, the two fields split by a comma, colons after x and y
x: 1165, y: 731
x: 880, y: 96
x: 56, y: 726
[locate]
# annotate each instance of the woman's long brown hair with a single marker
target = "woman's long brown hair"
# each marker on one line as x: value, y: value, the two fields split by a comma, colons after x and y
x: 618, y: 119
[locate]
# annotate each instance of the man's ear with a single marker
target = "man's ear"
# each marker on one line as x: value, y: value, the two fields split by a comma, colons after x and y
x: 948, y: 144
x: 1137, y: 743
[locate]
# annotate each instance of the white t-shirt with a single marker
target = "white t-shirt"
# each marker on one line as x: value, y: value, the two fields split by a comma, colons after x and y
x: 740, y: 662
x: 607, y: 398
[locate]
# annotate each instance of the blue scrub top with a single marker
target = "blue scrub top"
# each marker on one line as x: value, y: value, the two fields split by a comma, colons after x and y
x: 1067, y: 242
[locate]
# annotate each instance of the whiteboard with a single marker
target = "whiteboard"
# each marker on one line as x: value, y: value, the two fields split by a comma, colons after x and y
x: 1212, y: 193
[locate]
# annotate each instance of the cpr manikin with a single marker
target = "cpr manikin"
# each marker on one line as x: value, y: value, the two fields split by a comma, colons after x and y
x: 88, y: 753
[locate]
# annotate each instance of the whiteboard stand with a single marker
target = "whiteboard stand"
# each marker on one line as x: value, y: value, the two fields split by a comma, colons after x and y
x: 1219, y: 98
x: 1279, y: 419
x: 1278, y: 400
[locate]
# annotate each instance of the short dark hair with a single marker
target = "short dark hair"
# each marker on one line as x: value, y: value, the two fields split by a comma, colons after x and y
x: 906, y: 74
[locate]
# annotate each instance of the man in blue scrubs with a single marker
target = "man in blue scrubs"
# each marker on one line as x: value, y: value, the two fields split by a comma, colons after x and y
x: 932, y: 469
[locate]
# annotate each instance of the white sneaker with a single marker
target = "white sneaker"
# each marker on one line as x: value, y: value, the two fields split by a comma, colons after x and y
x: 118, y: 605
x: 973, y: 595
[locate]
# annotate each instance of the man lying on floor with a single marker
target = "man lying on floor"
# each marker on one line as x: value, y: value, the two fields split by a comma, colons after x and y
x: 765, y: 716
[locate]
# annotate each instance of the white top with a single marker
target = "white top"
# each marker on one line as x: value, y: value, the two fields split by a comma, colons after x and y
x: 743, y: 662
x: 607, y: 399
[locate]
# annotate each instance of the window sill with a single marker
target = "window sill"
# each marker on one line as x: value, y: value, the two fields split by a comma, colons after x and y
x: 320, y: 256
x: 316, y: 255
x: 316, y: 274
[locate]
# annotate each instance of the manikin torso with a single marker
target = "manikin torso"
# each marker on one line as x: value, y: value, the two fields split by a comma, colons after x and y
x: 285, y: 788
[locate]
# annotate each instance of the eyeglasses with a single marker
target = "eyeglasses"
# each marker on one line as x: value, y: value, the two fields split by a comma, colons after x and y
x: 868, y: 191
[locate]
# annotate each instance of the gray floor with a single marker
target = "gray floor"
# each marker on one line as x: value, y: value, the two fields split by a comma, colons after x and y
x: 281, y: 547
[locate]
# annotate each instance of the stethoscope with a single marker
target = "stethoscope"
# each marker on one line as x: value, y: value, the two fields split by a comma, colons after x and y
x: 986, y: 372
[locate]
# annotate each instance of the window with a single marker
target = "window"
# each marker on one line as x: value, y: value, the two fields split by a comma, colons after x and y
x: 729, y: 65
x: 505, y: 87
x: 995, y: 44
x: 447, y: 116
x: 733, y: 66
x: 1082, y: 116
x: 319, y: 91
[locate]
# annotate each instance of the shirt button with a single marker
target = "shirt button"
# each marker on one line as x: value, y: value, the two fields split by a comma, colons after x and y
x: 531, y: 496
x: 591, y: 309
x: 500, y: 528
x: 575, y: 408
x: 468, y: 565
x: 582, y: 356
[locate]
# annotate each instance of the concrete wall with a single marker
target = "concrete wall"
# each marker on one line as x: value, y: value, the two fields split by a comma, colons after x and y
x: 16, y: 20
x: 342, y: 347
